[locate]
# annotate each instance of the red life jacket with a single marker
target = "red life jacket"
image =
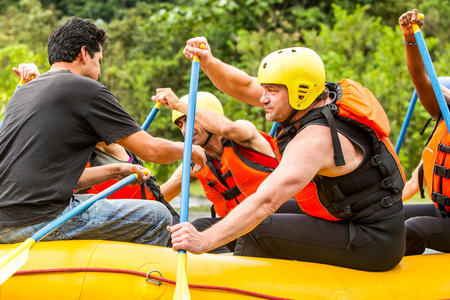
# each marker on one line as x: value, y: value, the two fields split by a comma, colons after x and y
x: 148, y: 190
x: 358, y: 115
x: 127, y: 192
x: 238, y: 175
x: 436, y: 166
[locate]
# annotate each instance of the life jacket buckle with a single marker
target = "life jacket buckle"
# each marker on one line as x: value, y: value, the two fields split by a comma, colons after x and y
x: 333, y: 107
x: 231, y: 193
x: 386, y: 183
x: 441, y: 171
x: 375, y: 160
x: 440, y: 199
x: 443, y: 148
x: 386, y: 202
x: 212, y: 183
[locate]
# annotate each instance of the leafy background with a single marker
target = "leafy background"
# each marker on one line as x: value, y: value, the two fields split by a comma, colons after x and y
x: 360, y: 40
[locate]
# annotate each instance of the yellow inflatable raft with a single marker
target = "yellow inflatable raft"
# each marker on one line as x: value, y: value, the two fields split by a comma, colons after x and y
x: 114, y: 270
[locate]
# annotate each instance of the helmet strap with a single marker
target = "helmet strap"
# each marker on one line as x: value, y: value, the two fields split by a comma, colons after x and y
x: 289, y: 118
x: 207, y: 140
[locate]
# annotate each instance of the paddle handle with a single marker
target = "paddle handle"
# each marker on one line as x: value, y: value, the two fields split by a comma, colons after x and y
x: 431, y: 72
x: 151, y: 116
x: 82, y: 207
x: 23, y: 81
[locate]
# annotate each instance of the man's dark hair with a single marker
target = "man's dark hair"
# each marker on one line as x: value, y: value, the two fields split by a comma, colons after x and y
x: 65, y: 43
x: 323, y: 96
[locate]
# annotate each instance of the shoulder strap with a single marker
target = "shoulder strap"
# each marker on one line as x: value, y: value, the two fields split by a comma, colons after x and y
x: 338, y: 154
x: 420, y: 178
x: 154, y: 188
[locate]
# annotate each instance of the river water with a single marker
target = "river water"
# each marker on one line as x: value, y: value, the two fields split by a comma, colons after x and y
x: 200, y: 207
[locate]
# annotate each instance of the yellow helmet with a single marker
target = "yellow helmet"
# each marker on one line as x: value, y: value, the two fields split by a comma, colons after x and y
x: 300, y: 69
x: 204, y: 100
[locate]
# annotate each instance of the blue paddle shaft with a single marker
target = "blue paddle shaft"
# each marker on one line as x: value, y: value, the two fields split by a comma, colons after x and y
x: 405, y: 125
x: 82, y: 207
x: 150, y: 118
x: 273, y: 130
x: 189, y: 133
x: 433, y: 77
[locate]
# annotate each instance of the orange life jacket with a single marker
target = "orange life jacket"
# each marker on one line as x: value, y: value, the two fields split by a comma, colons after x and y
x: 436, y: 166
x: 238, y: 175
x: 323, y: 197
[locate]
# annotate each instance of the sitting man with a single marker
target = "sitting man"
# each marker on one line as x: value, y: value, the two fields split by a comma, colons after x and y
x: 239, y: 157
x: 111, y: 154
x: 337, y: 161
x: 50, y: 127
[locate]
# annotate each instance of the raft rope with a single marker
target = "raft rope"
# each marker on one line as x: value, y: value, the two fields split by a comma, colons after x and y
x: 153, y: 277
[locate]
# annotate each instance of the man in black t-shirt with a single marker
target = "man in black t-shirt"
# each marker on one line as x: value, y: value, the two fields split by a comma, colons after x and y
x: 50, y: 127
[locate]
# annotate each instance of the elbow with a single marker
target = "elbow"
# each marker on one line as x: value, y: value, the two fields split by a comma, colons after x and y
x: 226, y: 131
x: 231, y: 131
x: 269, y: 207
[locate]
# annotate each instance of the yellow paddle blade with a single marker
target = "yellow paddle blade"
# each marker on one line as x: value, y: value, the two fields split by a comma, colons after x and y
x: 15, y: 260
x: 181, y: 288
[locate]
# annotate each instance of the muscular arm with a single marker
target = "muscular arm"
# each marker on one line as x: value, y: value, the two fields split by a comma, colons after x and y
x: 230, y: 80
x: 159, y: 150
x: 308, y: 154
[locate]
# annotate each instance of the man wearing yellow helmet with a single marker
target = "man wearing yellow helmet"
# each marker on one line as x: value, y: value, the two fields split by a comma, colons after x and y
x: 239, y: 157
x: 336, y: 160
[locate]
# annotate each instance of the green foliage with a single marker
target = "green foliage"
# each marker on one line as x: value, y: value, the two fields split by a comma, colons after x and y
x: 359, y: 39
x: 27, y: 22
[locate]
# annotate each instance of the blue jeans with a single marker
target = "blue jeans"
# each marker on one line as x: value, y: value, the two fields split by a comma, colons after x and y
x: 135, y: 221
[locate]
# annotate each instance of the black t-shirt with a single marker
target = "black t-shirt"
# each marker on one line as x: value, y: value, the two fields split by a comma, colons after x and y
x: 50, y: 127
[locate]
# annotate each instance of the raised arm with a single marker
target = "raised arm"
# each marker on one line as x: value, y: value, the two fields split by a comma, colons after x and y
x: 416, y: 66
x: 242, y: 132
x: 230, y: 80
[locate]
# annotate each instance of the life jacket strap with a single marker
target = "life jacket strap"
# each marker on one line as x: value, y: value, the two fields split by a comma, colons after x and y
x: 231, y: 193
x: 384, y: 203
x: 444, y: 148
x: 155, y: 189
x: 440, y: 199
x: 338, y: 154
x: 420, y: 178
x: 213, y: 211
x: 226, y: 175
x: 342, y: 207
x: 212, y: 183
x: 441, y: 171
